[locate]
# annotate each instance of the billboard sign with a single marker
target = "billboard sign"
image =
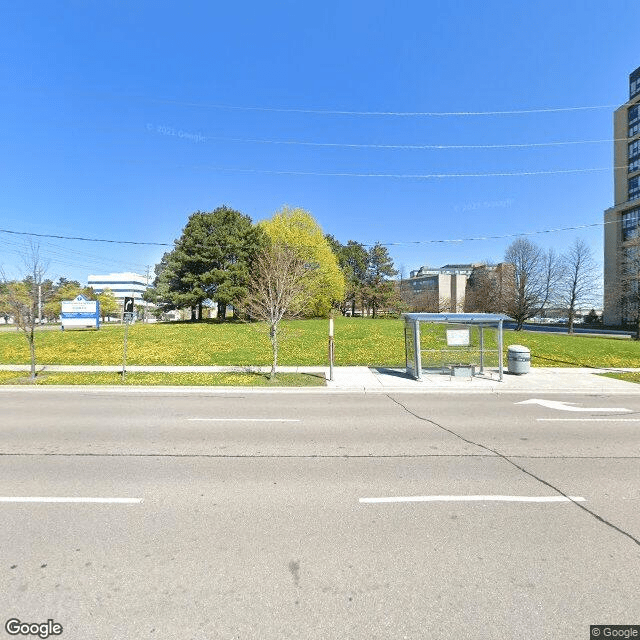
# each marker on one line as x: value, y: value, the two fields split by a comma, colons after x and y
x: 80, y: 313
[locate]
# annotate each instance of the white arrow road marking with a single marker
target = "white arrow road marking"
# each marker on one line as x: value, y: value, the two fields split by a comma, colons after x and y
x: 568, y: 406
x: 475, y: 499
x: 62, y: 500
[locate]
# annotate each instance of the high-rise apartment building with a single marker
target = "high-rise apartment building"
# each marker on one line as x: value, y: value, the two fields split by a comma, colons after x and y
x: 622, y: 221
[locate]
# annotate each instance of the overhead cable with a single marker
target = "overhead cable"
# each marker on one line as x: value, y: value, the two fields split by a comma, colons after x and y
x: 347, y: 145
x: 402, y: 114
x: 386, y: 244
x: 405, y: 176
x: 331, y: 112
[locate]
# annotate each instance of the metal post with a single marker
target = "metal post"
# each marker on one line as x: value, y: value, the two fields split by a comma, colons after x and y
x: 416, y: 346
x: 124, y: 355
x: 500, y: 366
x: 39, y: 304
x: 481, y: 349
x: 331, y: 349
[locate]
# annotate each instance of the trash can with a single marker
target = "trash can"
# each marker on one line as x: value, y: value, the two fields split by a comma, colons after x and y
x: 519, y: 359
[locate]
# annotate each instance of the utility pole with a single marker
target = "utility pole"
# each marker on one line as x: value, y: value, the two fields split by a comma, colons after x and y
x: 144, y: 302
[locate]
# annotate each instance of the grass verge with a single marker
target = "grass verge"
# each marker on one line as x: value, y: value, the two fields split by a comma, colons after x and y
x: 627, y: 376
x: 167, y: 379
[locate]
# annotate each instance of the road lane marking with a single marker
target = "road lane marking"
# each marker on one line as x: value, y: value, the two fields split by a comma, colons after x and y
x: 475, y: 499
x: 569, y: 406
x: 243, y: 420
x: 71, y: 499
x: 588, y: 419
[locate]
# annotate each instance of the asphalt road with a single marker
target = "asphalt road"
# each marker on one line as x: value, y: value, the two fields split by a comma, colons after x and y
x: 251, y: 517
x: 532, y: 326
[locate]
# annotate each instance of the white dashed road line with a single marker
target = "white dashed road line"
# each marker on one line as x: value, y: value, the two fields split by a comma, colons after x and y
x: 588, y: 419
x: 475, y: 499
x: 72, y: 499
x: 242, y: 420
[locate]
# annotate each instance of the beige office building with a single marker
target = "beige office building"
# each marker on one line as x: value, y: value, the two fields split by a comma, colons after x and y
x: 622, y: 221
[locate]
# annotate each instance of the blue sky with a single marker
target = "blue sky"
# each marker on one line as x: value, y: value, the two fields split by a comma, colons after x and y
x: 120, y: 119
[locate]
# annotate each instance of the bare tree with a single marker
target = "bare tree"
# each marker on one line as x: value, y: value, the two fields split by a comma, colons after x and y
x: 23, y: 298
x: 535, y: 276
x: 279, y: 289
x: 487, y: 288
x: 579, y: 278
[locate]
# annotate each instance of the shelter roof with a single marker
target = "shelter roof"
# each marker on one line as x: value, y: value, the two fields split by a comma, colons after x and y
x: 462, y: 318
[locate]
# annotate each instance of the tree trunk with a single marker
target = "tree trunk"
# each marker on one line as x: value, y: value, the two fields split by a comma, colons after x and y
x: 32, y: 350
x: 193, y: 314
x: 273, y: 335
x: 222, y: 311
x: 571, y: 319
x: 200, y: 311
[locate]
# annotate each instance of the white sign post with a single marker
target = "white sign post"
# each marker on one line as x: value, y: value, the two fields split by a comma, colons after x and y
x: 330, y: 348
x: 127, y: 316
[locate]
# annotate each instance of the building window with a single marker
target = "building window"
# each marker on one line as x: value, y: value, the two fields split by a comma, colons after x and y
x: 634, y: 86
x: 634, y: 165
x: 634, y: 114
x: 633, y: 129
x: 630, y: 223
x: 634, y: 188
x: 634, y: 149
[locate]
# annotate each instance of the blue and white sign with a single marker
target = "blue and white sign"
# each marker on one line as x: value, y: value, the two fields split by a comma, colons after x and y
x: 80, y: 313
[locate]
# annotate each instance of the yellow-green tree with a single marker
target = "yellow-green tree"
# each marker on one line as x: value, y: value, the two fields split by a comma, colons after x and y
x: 297, y: 230
x: 109, y: 304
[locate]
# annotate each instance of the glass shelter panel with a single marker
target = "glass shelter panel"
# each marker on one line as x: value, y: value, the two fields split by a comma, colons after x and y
x: 455, y: 344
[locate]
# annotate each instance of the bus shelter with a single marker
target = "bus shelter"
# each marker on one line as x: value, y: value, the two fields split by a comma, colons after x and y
x: 458, y: 344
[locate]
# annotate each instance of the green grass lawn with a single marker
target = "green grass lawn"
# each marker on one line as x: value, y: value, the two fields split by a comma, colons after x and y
x: 358, y: 341
x: 628, y: 376
x: 166, y: 379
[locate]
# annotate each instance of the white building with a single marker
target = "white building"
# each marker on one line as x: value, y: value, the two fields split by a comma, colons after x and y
x: 129, y: 285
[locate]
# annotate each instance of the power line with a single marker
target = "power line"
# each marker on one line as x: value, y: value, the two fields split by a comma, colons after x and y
x: 386, y: 244
x: 333, y: 112
x: 405, y: 176
x: 46, y: 235
x: 402, y: 114
x: 190, y: 136
x: 347, y: 145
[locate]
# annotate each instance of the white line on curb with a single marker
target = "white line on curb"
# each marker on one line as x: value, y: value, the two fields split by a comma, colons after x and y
x: 63, y: 500
x: 475, y: 499
x: 243, y: 420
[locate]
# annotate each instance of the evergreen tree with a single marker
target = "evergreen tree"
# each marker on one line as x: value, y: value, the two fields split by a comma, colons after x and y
x: 210, y: 262
x: 380, y: 290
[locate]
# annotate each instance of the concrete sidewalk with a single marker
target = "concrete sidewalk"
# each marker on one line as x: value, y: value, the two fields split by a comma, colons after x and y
x: 380, y: 379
